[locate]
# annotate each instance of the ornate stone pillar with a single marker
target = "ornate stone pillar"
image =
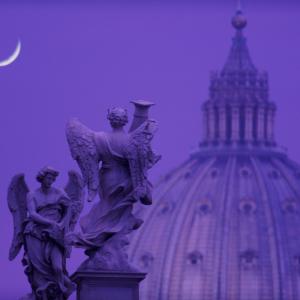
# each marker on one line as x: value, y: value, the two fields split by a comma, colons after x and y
x: 270, y: 124
x: 205, y: 125
x: 222, y: 122
x: 261, y: 123
x: 249, y: 123
x: 235, y: 123
x: 211, y: 124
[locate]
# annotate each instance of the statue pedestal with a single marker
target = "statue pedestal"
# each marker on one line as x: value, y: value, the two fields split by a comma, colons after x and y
x: 93, y: 285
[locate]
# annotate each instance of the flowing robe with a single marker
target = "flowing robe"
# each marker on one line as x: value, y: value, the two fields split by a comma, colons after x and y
x: 43, y: 245
x: 113, y: 213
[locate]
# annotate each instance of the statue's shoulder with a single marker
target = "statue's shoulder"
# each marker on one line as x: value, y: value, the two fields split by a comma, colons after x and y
x: 101, y: 139
x: 98, y: 135
x: 33, y: 194
x: 60, y: 193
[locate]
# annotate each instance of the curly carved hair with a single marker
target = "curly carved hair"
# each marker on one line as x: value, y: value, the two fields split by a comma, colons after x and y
x: 44, y: 172
x: 117, y: 117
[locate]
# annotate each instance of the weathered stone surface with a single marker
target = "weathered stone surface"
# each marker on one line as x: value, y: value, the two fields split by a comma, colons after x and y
x: 107, y: 285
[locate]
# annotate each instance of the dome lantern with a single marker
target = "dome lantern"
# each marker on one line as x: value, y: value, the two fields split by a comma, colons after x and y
x: 238, y: 111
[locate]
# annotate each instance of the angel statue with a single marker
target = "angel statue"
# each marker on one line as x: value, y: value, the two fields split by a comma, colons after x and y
x: 42, y: 218
x: 114, y: 165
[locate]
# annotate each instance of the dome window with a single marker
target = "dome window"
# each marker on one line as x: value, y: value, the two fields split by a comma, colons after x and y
x: 204, y: 208
x: 214, y: 173
x: 146, y: 260
x: 165, y: 208
x: 248, y: 259
x: 245, y: 172
x: 289, y: 206
x: 247, y: 206
x: 194, y: 258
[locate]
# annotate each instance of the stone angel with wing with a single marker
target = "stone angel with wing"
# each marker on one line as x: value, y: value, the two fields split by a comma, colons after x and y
x: 42, y: 219
x: 114, y: 165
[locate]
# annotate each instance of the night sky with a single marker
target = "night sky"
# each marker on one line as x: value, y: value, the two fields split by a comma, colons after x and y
x: 77, y: 60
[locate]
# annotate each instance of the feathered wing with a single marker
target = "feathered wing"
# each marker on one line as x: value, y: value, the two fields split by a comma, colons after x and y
x: 140, y: 154
x: 83, y: 149
x: 75, y: 191
x: 16, y: 199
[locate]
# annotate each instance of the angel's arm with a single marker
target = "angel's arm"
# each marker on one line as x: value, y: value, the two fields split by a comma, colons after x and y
x: 34, y: 214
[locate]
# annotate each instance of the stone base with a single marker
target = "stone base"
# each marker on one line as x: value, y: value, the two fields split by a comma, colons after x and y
x: 93, y: 285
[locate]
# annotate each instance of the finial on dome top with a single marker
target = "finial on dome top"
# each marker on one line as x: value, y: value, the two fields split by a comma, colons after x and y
x: 239, y: 21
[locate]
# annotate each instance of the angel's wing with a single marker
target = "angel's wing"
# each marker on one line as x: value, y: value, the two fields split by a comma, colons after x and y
x: 75, y: 192
x: 16, y: 199
x: 140, y: 154
x: 83, y: 150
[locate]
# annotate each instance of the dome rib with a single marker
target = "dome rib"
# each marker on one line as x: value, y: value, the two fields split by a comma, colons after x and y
x: 197, y: 242
x: 246, y: 282
x: 227, y: 193
x: 290, y: 179
x: 271, y: 227
x: 171, y: 233
x: 204, y: 241
x: 276, y: 193
x: 166, y: 286
x: 213, y: 245
x: 230, y: 267
x: 186, y: 247
x: 158, y: 194
x: 289, y: 198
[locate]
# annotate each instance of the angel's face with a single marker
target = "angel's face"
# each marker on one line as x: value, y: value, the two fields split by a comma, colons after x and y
x: 48, y: 180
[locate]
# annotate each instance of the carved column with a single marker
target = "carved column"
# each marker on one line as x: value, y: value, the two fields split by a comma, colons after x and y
x: 261, y: 123
x: 205, y: 125
x: 249, y: 123
x: 270, y: 124
x: 235, y: 123
x: 222, y: 123
x: 211, y: 124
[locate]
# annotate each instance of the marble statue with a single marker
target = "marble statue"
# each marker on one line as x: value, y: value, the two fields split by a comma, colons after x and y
x: 42, y: 219
x: 114, y: 165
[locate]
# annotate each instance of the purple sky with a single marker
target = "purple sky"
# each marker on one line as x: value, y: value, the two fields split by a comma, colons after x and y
x: 78, y: 60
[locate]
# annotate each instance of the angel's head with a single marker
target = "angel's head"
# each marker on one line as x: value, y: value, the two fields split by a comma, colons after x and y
x: 46, y: 176
x: 117, y: 117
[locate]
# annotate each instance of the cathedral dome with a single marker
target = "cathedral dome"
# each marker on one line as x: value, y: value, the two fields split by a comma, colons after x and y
x: 224, y: 224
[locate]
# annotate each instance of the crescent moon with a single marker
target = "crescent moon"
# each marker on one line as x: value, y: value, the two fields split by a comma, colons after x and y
x: 13, y: 56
